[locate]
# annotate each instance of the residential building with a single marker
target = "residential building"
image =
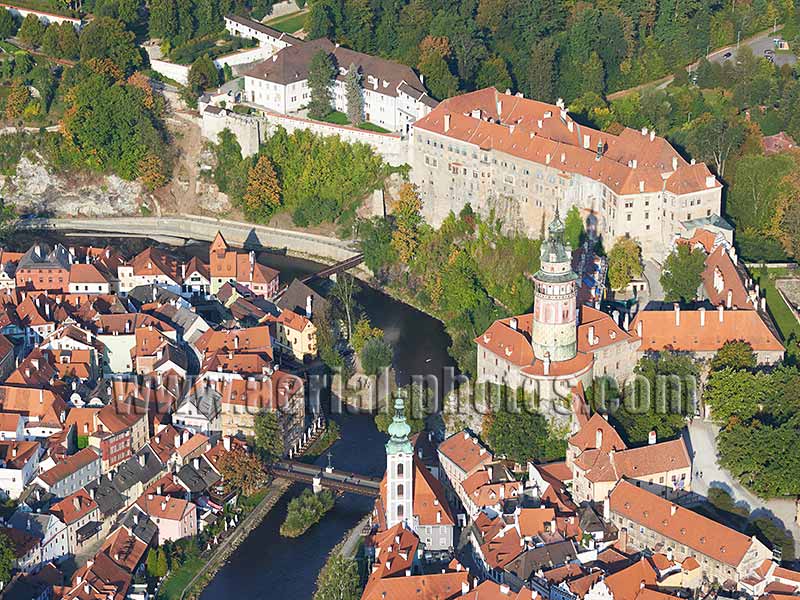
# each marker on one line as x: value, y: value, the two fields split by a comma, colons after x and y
x: 521, y: 159
x: 49, y: 529
x: 295, y: 334
x: 460, y: 456
x: 72, y: 474
x: 43, y: 269
x: 646, y: 520
x: 19, y: 462
x: 176, y: 518
x: 152, y: 266
x: 87, y: 279
x: 265, y: 36
x: 393, y: 96
x: 121, y: 430
x: 228, y: 265
x: 117, y: 333
x: 81, y: 514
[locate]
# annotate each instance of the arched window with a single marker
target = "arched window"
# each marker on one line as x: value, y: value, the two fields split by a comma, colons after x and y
x: 399, y: 511
x: 400, y: 490
x: 400, y: 469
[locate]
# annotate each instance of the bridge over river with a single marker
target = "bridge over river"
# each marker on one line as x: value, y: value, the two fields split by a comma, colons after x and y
x: 326, y: 478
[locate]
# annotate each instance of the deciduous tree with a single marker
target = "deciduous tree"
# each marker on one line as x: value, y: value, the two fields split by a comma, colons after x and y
x: 407, y: 222
x: 263, y: 195
x: 573, y: 227
x: 242, y: 470
x: 105, y: 37
x: 269, y: 435
x: 17, y: 99
x: 624, y: 263
x: 32, y: 31
x: 339, y: 579
x: 682, y: 273
x: 737, y: 355
x: 354, y: 95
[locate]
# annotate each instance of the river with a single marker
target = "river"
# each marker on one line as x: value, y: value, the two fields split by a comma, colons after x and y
x: 266, y: 565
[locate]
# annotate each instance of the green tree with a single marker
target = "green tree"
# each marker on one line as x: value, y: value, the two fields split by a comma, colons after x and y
x: 362, y: 333
x: 232, y: 170
x: 321, y: 74
x: 163, y: 21
x: 32, y: 31
x: 438, y: 78
x: 376, y: 355
x: 17, y: 99
x: 737, y: 355
x: 203, y: 75
x: 494, y: 73
x: 269, y: 435
x: 8, y: 24
x: 156, y: 563
x: 319, y: 23
x: 408, y: 218
x: 682, y: 273
x: 573, y: 227
x: 107, y: 38
x: 339, y: 578
x: 354, y: 95
x: 520, y: 432
x: 713, y: 138
x: 376, y: 243
x: 263, y: 195
x: 730, y: 393
x: 7, y: 558
x: 624, y: 263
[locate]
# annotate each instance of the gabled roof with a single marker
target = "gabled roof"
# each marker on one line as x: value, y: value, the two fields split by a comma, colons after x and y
x: 597, y: 428
x: 70, y: 466
x: 465, y: 451
x: 74, y: 507
x: 686, y: 527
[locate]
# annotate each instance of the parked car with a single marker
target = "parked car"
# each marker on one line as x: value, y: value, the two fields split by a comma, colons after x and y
x: 727, y: 55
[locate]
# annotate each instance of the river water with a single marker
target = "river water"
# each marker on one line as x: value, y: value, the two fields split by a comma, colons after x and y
x: 266, y: 565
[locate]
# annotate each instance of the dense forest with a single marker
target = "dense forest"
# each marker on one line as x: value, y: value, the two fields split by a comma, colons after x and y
x: 543, y: 48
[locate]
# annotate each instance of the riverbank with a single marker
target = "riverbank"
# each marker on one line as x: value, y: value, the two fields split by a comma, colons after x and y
x: 189, y: 580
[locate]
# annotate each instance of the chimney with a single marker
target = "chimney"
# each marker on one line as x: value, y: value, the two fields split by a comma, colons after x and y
x: 499, y: 107
x: 513, y: 323
x: 309, y: 300
x: 674, y: 163
x: 587, y: 141
x: 598, y: 438
x: 196, y: 463
x: 729, y: 299
x: 159, y: 489
x: 651, y: 437
x: 591, y: 335
x: 702, y: 312
x: 652, y: 135
x: 547, y: 159
x: 183, y: 271
x: 91, y: 493
x: 76, y: 502
x: 673, y: 509
x: 163, y: 505
x: 177, y: 440
x: 547, y: 363
x: 634, y: 163
x: 721, y: 313
x: 644, y: 130
x: 677, y: 308
x: 226, y: 443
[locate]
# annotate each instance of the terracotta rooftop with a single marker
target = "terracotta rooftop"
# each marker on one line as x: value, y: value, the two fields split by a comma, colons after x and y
x: 70, y: 466
x: 680, y: 524
x: 74, y: 507
x: 465, y: 451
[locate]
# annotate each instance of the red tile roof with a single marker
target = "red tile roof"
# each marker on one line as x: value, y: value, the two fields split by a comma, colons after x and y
x: 74, y: 507
x: 70, y: 466
x: 465, y: 451
x: 680, y: 524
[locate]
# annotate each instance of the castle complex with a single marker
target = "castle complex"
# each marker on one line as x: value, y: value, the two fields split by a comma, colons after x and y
x: 521, y: 158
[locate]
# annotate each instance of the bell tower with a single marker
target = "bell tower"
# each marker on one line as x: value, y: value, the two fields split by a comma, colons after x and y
x: 399, y: 470
x: 555, y: 319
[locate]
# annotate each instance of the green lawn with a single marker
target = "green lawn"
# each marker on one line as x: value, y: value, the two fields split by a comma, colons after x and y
x: 339, y: 118
x: 290, y: 23
x: 173, y: 586
x: 783, y: 315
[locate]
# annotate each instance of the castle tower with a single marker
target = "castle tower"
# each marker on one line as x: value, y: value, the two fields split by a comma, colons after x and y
x: 554, y: 335
x: 399, y: 470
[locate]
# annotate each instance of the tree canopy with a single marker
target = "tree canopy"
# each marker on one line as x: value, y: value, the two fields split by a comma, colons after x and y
x: 682, y: 273
x: 624, y: 263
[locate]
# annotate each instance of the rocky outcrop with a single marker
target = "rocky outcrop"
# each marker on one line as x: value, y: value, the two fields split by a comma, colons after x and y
x: 33, y: 188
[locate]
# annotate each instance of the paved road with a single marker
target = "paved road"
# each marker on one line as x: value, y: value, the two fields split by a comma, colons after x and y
x: 703, y: 439
x: 652, y: 273
x: 757, y: 44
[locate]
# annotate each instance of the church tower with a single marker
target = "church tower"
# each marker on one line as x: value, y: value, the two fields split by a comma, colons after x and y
x: 399, y: 470
x: 554, y: 335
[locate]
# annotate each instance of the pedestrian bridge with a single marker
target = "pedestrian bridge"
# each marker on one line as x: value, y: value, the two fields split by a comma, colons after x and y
x: 321, y: 478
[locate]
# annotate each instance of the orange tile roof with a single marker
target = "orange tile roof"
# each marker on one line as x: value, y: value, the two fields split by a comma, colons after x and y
x: 250, y: 339
x: 154, y: 262
x: 721, y: 277
x: 117, y: 416
x: 128, y: 323
x: 9, y: 421
x: 535, y: 521
x: 16, y: 454
x: 659, y: 331
x: 465, y: 451
x: 82, y: 273
x: 275, y: 391
x: 395, y: 551
x: 74, y: 507
x: 557, y: 470
x: 586, y: 437
x: 430, y: 503
x: 164, y: 507
x: 606, y: 331
x: 510, y: 124
x: 680, y: 524
x: 437, y: 586
x: 71, y: 465
x: 125, y: 549
x: 627, y: 583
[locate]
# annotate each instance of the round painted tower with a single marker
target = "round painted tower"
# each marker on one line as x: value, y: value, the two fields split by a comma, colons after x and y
x: 554, y: 334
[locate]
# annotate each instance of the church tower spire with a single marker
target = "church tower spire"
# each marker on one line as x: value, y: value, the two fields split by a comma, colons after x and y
x: 554, y: 333
x: 399, y: 469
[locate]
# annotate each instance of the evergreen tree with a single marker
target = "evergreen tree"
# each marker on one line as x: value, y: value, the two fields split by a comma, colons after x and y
x: 321, y: 74
x: 8, y: 25
x: 573, y: 227
x: 269, y: 435
x: 318, y: 23
x: 263, y: 195
x: 32, y: 31
x: 107, y: 38
x: 163, y: 23
x: 438, y: 78
x: 353, y: 92
x: 203, y: 75
x: 682, y: 274
x: 7, y: 558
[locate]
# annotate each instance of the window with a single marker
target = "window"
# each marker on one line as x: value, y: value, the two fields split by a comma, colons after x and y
x: 400, y: 490
x: 399, y: 511
x: 400, y: 469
